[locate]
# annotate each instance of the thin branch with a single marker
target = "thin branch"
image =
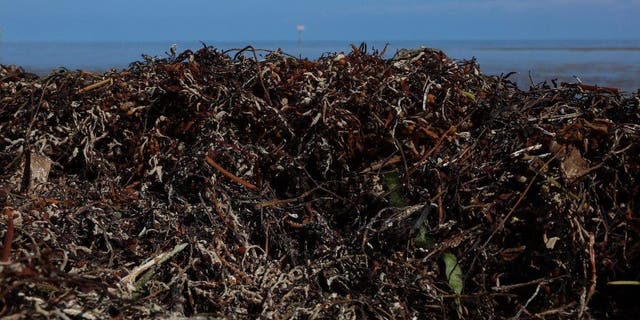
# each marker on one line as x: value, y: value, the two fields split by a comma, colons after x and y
x: 8, y: 237
x: 230, y: 175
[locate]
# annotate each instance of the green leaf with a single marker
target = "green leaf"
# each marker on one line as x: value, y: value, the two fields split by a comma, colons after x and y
x: 469, y: 95
x: 392, y: 182
x: 422, y: 238
x: 453, y: 271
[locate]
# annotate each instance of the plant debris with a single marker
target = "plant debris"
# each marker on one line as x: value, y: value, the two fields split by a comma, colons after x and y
x: 253, y: 184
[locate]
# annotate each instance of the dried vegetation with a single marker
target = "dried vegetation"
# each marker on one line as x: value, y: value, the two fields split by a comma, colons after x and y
x: 217, y: 184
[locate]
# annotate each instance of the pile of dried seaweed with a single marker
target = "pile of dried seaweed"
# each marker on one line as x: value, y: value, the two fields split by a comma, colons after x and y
x: 215, y: 184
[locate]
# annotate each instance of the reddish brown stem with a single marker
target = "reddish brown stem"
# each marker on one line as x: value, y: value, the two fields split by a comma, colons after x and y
x: 8, y: 237
x: 433, y: 149
x: 440, y: 209
x: 587, y: 87
x: 230, y: 175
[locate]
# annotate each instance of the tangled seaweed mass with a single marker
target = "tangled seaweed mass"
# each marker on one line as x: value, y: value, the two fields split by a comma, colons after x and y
x: 220, y: 184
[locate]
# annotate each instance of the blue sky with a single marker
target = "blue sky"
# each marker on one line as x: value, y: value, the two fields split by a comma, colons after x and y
x: 245, y: 20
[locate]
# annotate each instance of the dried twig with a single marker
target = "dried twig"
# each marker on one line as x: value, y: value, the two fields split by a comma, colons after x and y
x: 129, y: 280
x: 524, y: 307
x: 509, y: 287
x: 280, y: 202
x: 230, y: 175
x: 433, y: 149
x: 96, y: 85
x: 8, y: 237
x: 611, y: 90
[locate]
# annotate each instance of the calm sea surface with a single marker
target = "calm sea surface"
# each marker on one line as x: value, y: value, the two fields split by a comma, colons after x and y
x: 611, y: 63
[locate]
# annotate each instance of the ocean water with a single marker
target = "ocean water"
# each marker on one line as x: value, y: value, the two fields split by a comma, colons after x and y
x: 609, y: 63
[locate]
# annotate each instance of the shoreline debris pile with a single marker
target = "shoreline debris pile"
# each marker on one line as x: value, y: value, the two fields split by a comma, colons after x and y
x: 212, y: 184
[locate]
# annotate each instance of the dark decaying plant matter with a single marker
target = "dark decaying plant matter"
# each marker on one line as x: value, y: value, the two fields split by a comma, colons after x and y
x: 259, y: 185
